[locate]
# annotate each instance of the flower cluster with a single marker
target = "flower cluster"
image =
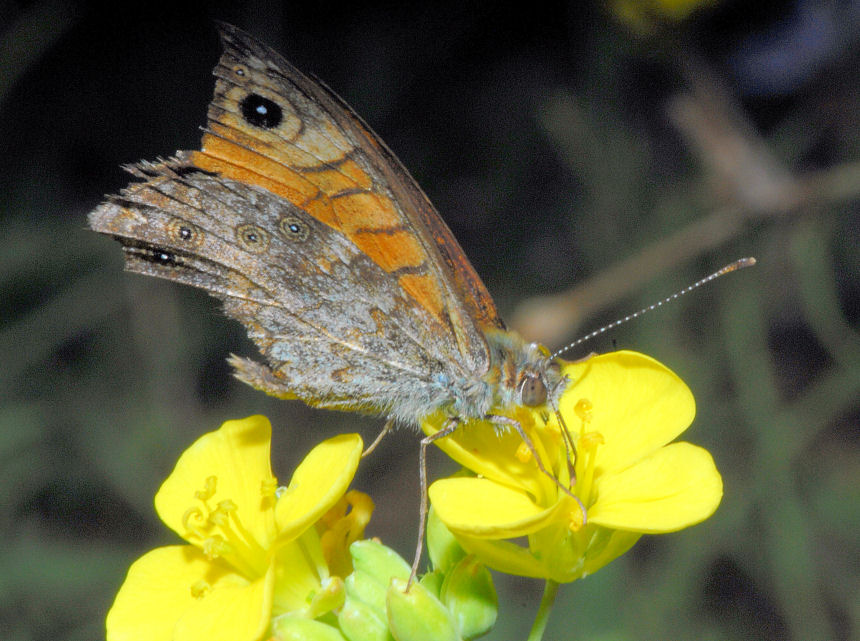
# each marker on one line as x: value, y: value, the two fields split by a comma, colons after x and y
x: 265, y: 561
x: 614, y: 475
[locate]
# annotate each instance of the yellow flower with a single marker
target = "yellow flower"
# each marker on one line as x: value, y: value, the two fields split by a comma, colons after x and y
x: 254, y: 553
x: 621, y: 411
x: 645, y: 16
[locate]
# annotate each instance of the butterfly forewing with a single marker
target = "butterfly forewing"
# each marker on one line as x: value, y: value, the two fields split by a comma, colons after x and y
x: 270, y: 125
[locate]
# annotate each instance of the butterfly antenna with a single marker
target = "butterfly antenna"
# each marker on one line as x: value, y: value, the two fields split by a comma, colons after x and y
x: 731, y: 267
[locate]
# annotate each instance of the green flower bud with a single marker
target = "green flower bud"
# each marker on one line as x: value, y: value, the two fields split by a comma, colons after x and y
x: 363, y: 616
x: 433, y: 582
x: 469, y: 595
x: 378, y: 561
x: 364, y: 588
x: 417, y: 615
x: 298, y: 628
x: 362, y: 622
x: 444, y: 550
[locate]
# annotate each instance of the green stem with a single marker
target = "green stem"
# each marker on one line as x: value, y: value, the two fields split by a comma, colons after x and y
x: 550, y: 591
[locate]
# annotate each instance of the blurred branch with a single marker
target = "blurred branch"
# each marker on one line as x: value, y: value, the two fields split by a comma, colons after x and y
x: 744, y: 175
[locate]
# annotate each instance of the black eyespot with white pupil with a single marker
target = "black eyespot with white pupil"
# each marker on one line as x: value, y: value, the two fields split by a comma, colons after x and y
x: 183, y: 233
x: 252, y: 238
x: 261, y: 112
x: 163, y: 258
x: 295, y: 229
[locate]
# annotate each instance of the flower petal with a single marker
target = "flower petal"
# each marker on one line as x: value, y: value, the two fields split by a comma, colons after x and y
x: 482, y: 508
x: 318, y: 483
x: 237, y: 454
x: 158, y: 591
x: 675, y: 487
x: 606, y: 546
x: 300, y: 568
x: 231, y: 611
x: 504, y: 556
x: 639, y: 405
x: 491, y: 452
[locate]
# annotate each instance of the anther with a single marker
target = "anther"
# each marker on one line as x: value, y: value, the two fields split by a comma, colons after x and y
x: 269, y: 487
x: 208, y: 490
x: 523, y: 453
x: 575, y: 521
x: 215, y: 546
x: 590, y: 440
x: 199, y: 589
x: 584, y: 410
x: 192, y: 521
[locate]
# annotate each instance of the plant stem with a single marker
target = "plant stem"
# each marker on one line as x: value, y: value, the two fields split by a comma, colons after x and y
x: 550, y: 591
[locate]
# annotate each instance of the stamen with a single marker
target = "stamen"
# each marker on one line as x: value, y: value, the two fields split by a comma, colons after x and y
x: 330, y: 596
x: 215, y: 546
x: 523, y: 453
x: 584, y: 410
x: 590, y: 440
x: 194, y: 529
x: 233, y: 543
x: 269, y: 488
x: 208, y: 490
x: 576, y: 519
x: 588, y: 444
x: 200, y: 588
x: 221, y: 514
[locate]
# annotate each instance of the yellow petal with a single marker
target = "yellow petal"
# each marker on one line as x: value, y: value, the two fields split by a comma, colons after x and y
x: 317, y: 484
x: 158, y: 591
x: 676, y: 487
x: 483, y: 508
x: 237, y: 455
x: 504, y: 556
x: 607, y: 545
x: 300, y: 568
x: 491, y: 452
x: 638, y: 405
x: 231, y: 611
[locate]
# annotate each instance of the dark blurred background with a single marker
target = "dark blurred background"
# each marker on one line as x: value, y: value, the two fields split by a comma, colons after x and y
x: 590, y: 156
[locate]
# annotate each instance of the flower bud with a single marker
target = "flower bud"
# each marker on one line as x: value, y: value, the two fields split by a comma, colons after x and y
x: 469, y: 595
x: 378, y: 561
x: 417, y: 615
x: 363, y: 616
x: 362, y: 622
x: 298, y: 628
x: 444, y: 550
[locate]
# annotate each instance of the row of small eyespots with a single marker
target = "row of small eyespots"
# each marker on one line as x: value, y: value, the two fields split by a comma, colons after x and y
x: 250, y: 237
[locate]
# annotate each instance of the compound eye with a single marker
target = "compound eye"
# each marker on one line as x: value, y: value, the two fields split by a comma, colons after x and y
x: 533, y: 391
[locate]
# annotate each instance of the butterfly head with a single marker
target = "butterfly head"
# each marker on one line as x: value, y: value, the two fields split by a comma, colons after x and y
x: 522, y: 374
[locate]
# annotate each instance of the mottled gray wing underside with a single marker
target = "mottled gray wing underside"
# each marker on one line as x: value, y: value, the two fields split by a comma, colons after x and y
x: 335, y: 329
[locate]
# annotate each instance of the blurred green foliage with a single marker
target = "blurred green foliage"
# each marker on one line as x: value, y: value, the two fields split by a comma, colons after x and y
x: 564, y: 150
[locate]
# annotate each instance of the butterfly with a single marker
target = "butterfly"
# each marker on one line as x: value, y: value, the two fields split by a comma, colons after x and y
x: 316, y: 238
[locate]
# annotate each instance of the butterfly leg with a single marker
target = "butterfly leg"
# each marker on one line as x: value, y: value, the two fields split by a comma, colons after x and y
x: 450, y: 426
x: 389, y: 425
x: 509, y: 422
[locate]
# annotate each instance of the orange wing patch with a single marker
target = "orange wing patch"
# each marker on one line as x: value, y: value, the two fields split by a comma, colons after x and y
x: 424, y: 289
x: 306, y: 157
